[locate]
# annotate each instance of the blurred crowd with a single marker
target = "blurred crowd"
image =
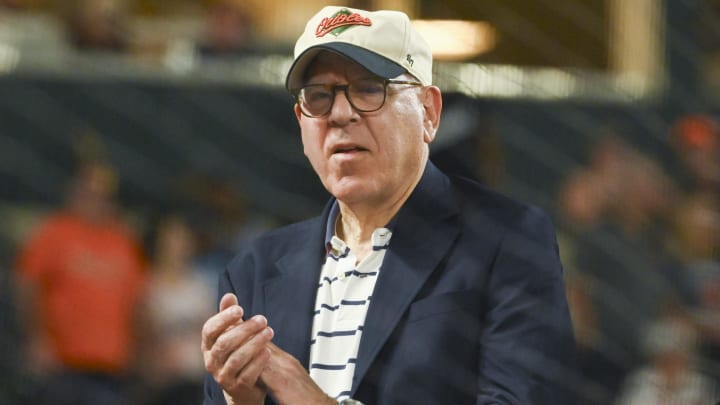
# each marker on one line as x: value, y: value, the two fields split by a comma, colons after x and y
x: 145, y: 29
x: 641, y: 247
x: 108, y: 309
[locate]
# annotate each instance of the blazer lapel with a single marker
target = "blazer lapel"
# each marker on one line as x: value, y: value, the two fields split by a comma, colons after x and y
x: 290, y: 297
x: 425, y: 230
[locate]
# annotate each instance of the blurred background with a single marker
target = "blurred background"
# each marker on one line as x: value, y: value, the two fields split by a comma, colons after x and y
x: 141, y: 141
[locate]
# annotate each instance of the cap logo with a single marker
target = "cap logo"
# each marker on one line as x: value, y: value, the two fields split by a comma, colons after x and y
x: 339, y: 22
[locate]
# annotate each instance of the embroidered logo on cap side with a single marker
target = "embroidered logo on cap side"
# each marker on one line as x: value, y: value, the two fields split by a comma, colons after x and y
x: 339, y: 22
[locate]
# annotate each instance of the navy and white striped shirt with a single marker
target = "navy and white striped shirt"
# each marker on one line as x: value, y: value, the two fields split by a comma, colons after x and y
x: 343, y: 297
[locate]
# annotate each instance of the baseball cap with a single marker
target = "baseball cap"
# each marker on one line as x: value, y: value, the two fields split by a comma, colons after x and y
x: 383, y: 42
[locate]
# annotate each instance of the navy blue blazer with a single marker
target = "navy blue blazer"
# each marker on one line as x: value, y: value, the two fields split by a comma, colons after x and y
x: 469, y: 306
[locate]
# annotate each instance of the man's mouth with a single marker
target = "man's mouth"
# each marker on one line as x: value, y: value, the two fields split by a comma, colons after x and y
x: 351, y: 149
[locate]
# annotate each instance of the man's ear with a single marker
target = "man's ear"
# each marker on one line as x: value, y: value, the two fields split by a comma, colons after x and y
x: 432, y: 103
x: 298, y: 114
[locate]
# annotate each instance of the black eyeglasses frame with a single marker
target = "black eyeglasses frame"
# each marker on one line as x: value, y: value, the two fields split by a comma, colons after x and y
x: 344, y: 87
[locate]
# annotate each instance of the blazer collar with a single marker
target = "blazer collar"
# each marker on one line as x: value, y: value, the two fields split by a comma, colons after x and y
x: 425, y: 230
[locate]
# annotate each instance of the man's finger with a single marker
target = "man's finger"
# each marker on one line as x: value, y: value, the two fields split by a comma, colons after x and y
x: 250, y: 374
x: 228, y: 300
x: 235, y: 348
x: 219, y: 323
x: 251, y: 359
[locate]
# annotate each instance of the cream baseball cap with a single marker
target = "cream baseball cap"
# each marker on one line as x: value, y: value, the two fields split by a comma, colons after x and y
x: 383, y: 42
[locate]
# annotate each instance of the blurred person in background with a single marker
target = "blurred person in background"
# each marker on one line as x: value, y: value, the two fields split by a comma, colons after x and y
x: 600, y: 368
x: 696, y: 140
x: 584, y: 203
x: 694, y: 245
x: 80, y: 276
x: 12, y: 5
x: 97, y: 25
x: 670, y: 375
x: 411, y: 286
x: 586, y: 194
x: 222, y: 220
x: 227, y: 32
x: 621, y: 257
x: 176, y: 305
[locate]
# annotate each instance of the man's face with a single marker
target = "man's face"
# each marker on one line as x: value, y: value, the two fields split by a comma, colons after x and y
x: 367, y: 158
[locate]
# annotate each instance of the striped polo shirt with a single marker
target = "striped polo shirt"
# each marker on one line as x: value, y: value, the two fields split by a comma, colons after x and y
x: 343, y: 297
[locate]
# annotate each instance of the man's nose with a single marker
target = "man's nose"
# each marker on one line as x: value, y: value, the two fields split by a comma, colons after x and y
x: 341, y: 109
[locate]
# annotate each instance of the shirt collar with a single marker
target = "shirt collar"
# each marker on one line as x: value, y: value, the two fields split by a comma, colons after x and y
x: 332, y: 217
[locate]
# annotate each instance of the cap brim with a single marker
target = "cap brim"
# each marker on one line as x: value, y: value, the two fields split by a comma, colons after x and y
x: 376, y: 64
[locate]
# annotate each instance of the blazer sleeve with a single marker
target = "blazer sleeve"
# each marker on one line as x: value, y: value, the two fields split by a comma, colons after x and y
x: 213, y: 394
x: 527, y: 345
x: 241, y: 283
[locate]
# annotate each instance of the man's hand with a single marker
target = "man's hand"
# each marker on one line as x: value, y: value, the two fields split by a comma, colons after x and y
x: 289, y: 382
x: 242, y: 359
x: 236, y: 351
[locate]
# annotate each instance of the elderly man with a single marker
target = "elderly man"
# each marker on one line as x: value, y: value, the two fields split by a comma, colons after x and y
x: 411, y: 287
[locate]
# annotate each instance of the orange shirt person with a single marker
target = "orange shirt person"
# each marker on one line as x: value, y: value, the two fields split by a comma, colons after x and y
x: 80, y: 276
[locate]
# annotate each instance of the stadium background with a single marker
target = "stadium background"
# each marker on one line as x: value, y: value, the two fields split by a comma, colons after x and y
x: 169, y: 111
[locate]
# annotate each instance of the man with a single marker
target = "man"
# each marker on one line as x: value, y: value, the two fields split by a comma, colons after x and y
x: 80, y: 277
x: 411, y: 287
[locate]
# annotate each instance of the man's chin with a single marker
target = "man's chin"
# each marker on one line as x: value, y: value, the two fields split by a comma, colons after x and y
x: 351, y: 189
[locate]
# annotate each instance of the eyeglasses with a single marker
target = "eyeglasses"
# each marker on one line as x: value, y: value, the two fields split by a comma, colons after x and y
x: 366, y: 95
